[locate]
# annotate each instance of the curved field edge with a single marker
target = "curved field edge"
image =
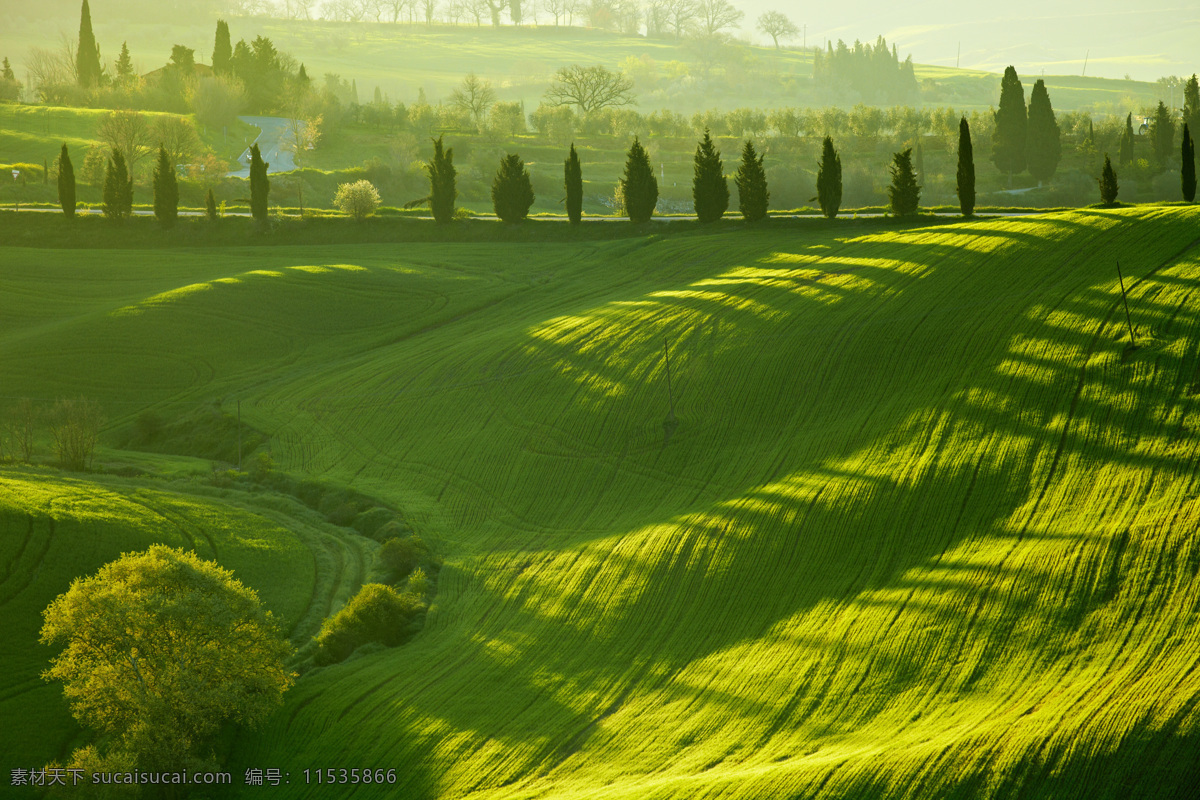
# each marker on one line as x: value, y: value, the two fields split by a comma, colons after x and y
x: 923, y: 527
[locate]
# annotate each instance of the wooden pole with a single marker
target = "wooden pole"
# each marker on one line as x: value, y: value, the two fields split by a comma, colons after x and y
x: 670, y: 393
x: 1121, y: 278
x: 239, y: 435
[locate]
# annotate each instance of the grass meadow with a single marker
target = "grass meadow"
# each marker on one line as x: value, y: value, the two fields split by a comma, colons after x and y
x: 923, y: 525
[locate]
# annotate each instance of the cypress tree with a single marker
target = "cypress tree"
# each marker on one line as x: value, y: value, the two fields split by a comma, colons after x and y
x: 512, y: 192
x: 829, y: 179
x: 1043, y: 142
x: 260, y: 185
x: 751, y: 180
x: 118, y: 188
x: 87, y: 55
x: 210, y: 206
x: 1008, y: 142
x: 710, y: 191
x: 66, y: 183
x: 573, y: 178
x: 639, y: 186
x: 222, y: 49
x: 1191, y: 103
x: 1188, y: 168
x: 1126, y: 153
x: 1108, y: 183
x: 124, y: 64
x: 442, y: 191
x: 166, y: 190
x: 966, y: 169
x: 904, y: 194
x: 1162, y: 134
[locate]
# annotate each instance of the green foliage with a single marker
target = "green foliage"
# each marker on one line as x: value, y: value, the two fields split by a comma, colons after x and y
x: 66, y: 183
x: 378, y: 613
x: 873, y: 72
x: 966, y: 169
x: 1009, y: 140
x: 260, y: 186
x: 512, y: 191
x: 1125, y: 156
x: 166, y: 190
x: 573, y: 183
x: 710, y: 190
x: 118, y: 188
x: 400, y: 556
x: 829, y: 179
x: 358, y: 200
x: 442, y: 190
x: 1187, y: 157
x: 87, y: 53
x: 139, y: 664
x: 1191, y: 103
x: 638, y: 185
x: 222, y: 55
x: 904, y: 195
x: 1108, y: 183
x: 751, y: 180
x: 1043, y: 146
x: 1162, y: 134
x: 124, y: 65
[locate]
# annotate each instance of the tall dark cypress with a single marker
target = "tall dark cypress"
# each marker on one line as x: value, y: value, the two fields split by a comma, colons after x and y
x: 222, y: 49
x: 1108, y: 183
x: 87, y: 54
x: 904, y: 194
x: 1191, y: 103
x: 1162, y: 133
x: 710, y: 191
x: 573, y: 180
x: 1125, y: 156
x: 260, y: 185
x: 1043, y: 142
x: 966, y: 169
x: 118, y: 188
x: 166, y: 190
x: 66, y: 183
x: 829, y: 179
x: 1188, y: 160
x: 442, y: 191
x: 1008, y: 142
x: 751, y: 180
x: 639, y: 187
x: 210, y: 206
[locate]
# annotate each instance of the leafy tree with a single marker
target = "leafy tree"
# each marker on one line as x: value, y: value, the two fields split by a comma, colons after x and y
x: 210, y: 206
x: 10, y: 87
x: 260, y: 185
x: 377, y: 613
x: 1162, y: 133
x: 573, y: 178
x: 124, y: 65
x: 1043, y: 144
x: 442, y: 192
x: 475, y: 97
x: 776, y: 25
x: 829, y: 179
x: 751, y: 180
x: 1188, y: 159
x: 87, y: 53
x: 66, y: 183
x: 1108, y: 183
x: 222, y: 57
x: 710, y: 191
x: 904, y: 194
x: 512, y: 191
x: 358, y: 199
x: 1009, y: 139
x: 118, y: 188
x: 639, y: 187
x: 166, y: 190
x: 1125, y: 156
x: 162, y: 648
x: 966, y: 169
x: 590, y: 88
x: 1191, y: 103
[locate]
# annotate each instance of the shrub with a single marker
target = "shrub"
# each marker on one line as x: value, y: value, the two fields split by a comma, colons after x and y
x: 378, y: 613
x: 371, y: 520
x: 75, y: 429
x: 358, y: 200
x: 512, y: 193
x: 400, y: 556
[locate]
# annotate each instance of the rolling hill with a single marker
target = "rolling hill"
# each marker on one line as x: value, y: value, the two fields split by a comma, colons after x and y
x: 923, y: 527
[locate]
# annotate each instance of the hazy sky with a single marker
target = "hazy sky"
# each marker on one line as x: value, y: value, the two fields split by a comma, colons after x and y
x: 1145, y: 38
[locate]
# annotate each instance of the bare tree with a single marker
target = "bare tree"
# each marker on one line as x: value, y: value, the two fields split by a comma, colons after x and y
x: 475, y: 97
x: 590, y: 88
x: 75, y: 428
x: 49, y: 68
x: 430, y: 8
x: 682, y: 15
x: 776, y: 25
x: 657, y: 17
x: 128, y: 132
x: 495, y: 7
x: 395, y: 9
x: 557, y: 8
x: 715, y: 16
x: 177, y: 136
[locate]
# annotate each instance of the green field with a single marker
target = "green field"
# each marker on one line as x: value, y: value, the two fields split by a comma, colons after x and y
x: 924, y: 528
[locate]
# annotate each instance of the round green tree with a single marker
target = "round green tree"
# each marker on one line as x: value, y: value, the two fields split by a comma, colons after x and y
x: 358, y: 199
x: 512, y: 191
x: 160, y: 649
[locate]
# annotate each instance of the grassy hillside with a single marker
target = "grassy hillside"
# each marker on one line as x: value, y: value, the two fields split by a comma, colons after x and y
x: 924, y: 526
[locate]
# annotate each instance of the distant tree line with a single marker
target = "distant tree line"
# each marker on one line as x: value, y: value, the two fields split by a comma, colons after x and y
x: 873, y: 72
